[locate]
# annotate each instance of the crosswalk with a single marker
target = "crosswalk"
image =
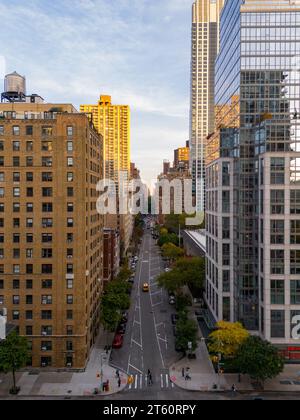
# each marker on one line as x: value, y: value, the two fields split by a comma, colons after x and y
x: 141, y: 382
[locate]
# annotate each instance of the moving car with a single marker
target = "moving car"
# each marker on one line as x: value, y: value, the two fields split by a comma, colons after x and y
x: 146, y: 287
x: 118, y: 341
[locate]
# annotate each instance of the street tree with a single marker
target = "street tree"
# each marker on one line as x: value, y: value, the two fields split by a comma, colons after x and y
x: 13, y: 356
x: 227, y: 339
x: 171, y: 281
x: 167, y: 239
x: 172, y: 252
x: 193, y: 271
x: 259, y: 359
x: 186, y: 332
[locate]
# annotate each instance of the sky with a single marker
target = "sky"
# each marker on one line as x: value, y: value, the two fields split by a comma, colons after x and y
x: 138, y: 51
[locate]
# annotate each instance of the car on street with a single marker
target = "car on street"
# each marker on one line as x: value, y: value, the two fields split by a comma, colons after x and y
x: 146, y: 287
x: 121, y: 329
x: 118, y: 341
x: 124, y: 318
x: 131, y: 280
x: 172, y: 300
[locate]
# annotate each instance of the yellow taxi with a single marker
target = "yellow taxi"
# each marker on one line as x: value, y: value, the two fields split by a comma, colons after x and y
x: 146, y: 287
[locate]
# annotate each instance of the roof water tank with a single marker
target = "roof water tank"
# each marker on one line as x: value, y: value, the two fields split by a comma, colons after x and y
x: 14, y: 82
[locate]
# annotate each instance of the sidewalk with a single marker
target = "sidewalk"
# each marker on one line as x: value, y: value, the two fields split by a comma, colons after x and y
x: 75, y: 384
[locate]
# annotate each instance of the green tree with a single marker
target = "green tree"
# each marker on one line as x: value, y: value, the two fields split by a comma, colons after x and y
x: 167, y: 239
x: 171, y: 281
x: 259, y: 359
x: 186, y: 332
x: 193, y: 271
x: 13, y: 356
x: 172, y: 252
x: 227, y: 339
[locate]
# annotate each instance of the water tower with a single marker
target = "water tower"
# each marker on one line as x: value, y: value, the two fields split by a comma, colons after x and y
x: 14, y: 88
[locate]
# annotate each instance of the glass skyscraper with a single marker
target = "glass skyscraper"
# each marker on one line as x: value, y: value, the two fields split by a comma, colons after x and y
x: 253, y: 170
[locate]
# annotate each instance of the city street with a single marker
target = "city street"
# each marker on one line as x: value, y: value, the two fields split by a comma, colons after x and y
x: 149, y: 342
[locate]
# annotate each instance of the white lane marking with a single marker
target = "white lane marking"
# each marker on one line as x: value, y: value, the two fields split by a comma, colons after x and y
x: 136, y: 343
x: 133, y: 367
x: 141, y: 381
x: 167, y: 381
x: 161, y: 381
x: 136, y: 382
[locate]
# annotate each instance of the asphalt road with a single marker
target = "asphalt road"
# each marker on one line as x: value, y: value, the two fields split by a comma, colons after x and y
x: 149, y: 342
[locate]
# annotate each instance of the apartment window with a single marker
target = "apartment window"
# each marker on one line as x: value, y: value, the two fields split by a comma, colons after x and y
x: 47, y: 268
x: 1, y: 130
x: 29, y: 176
x: 16, y: 146
x: 47, y: 207
x: 2, y: 177
x: 69, y: 253
x: 16, y: 300
x: 277, y: 324
x: 226, y: 201
x: 47, y: 223
x: 29, y: 315
x: 46, y: 330
x: 47, y: 192
x: 16, y: 284
x: 70, y: 300
x: 295, y: 292
x: 1, y: 284
x: 47, y: 253
x: 70, y: 269
x: 277, y: 232
x: 29, y: 192
x: 226, y: 228
x: 46, y: 238
x: 46, y: 315
x: 29, y: 238
x: 295, y: 262
x: 47, y: 162
x: 29, y: 207
x: 295, y: 232
x: 16, y: 161
x: 16, y: 238
x: 29, y: 253
x: 70, y: 191
x: 16, y: 253
x: 29, y: 161
x: 29, y: 284
x: 69, y: 146
x: 29, y: 330
x: 16, y: 315
x: 70, y: 223
x: 29, y: 268
x: 277, y: 292
x: 16, y: 192
x: 69, y: 330
x: 69, y: 284
x: 1, y: 253
x: 295, y: 201
x: 70, y: 177
x: 2, y: 207
x: 295, y: 170
x: 46, y: 346
x: 70, y: 162
x: 29, y: 300
x: 1, y: 223
x: 70, y: 131
x: 69, y: 345
x: 226, y: 174
x: 16, y: 207
x: 1, y: 160
x: 69, y: 315
x: 277, y: 171
x: 226, y: 281
x: 70, y: 238
x: 47, y: 300
x: 16, y: 177
x: 16, y: 269
x: 29, y: 146
x: 29, y: 130
x: 1, y: 300
x: 16, y: 130
x: 2, y: 192
x: 226, y: 254
x: 46, y: 284
x: 277, y: 261
x: 29, y: 223
x: 47, y: 177
x: 46, y: 361
x: 47, y: 131
x: 47, y: 146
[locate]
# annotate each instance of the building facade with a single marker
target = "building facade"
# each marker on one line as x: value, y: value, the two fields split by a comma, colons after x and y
x: 253, y: 170
x: 182, y: 158
x: 111, y: 254
x: 51, y: 236
x: 205, y: 46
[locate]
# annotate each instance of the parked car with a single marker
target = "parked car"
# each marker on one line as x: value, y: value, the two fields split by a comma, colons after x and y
x: 124, y: 317
x: 131, y: 280
x: 174, y: 319
x: 121, y: 329
x: 118, y: 341
x: 172, y: 300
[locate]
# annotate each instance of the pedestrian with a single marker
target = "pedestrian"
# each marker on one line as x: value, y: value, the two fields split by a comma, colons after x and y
x: 117, y: 374
x: 233, y: 388
x: 119, y: 382
x: 183, y: 372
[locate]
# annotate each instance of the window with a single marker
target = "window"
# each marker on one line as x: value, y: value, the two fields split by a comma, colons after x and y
x: 277, y: 324
x: 16, y: 253
x: 47, y: 223
x: 70, y: 177
x: 29, y: 238
x: 295, y: 170
x: 1, y: 130
x: 29, y: 268
x: 69, y: 315
x: 70, y: 162
x: 2, y: 177
x: 69, y: 253
x: 29, y: 146
x: 47, y: 268
x: 70, y: 223
x: 29, y: 284
x: 1, y: 284
x: 295, y: 232
x: 69, y: 146
x: 277, y: 261
x: 29, y: 130
x: 29, y: 192
x: 70, y: 191
x: 70, y: 300
x: 69, y: 330
x: 295, y: 262
x: 47, y: 207
x: 47, y: 131
x: 16, y: 177
x: 277, y: 232
x: 277, y: 292
x: 226, y: 228
x: 16, y: 130
x: 226, y: 201
x: 70, y: 269
x: 16, y: 315
x: 46, y: 284
x: 29, y: 300
x: 2, y: 192
x: 295, y: 201
x: 16, y: 161
x: 226, y: 174
x: 16, y: 146
x: 46, y: 238
x: 47, y: 162
x: 29, y: 223
x: 29, y: 330
x: 69, y: 284
x: 16, y: 192
x: 226, y: 254
x: 46, y: 315
x: 16, y: 238
x: 16, y: 300
x: 46, y: 330
x: 47, y: 192
x: 1, y: 223
x: 1, y: 300
x: 46, y: 346
x: 47, y: 253
x: 16, y: 284
x: 29, y: 176
x: 46, y: 361
x: 1, y: 253
x: 29, y: 207
x: 1, y: 161
x: 16, y: 207
x: 29, y: 161
x: 47, y: 300
x: 277, y: 171
x: 295, y: 292
x: 47, y: 177
x: 70, y: 207
x: 70, y: 238
x: 29, y: 315
x: 70, y: 131
x: 47, y: 146
x: 16, y: 269
x: 2, y: 207
x: 69, y: 345
x: 29, y: 253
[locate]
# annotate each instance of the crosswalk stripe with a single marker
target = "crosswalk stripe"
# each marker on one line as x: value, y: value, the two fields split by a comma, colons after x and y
x: 136, y: 382
x: 141, y: 381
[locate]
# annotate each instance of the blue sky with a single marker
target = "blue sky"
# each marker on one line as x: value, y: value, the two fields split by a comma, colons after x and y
x: 136, y: 50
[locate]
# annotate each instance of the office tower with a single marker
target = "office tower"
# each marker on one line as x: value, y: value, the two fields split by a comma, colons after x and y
x: 182, y: 158
x: 205, y: 44
x: 50, y: 231
x: 253, y: 171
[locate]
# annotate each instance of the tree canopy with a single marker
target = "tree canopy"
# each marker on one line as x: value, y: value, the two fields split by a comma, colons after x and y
x: 227, y: 339
x: 186, y: 332
x: 172, y: 252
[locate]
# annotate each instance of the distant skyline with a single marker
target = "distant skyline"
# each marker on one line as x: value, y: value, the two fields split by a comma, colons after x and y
x: 137, y: 51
